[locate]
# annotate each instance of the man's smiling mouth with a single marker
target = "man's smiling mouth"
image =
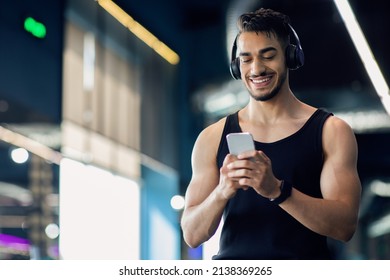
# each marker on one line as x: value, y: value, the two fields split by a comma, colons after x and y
x: 259, y: 81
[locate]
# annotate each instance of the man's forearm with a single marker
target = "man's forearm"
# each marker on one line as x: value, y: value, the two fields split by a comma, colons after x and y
x: 199, y: 222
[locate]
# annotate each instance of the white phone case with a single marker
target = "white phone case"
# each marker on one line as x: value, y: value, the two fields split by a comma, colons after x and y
x: 240, y: 142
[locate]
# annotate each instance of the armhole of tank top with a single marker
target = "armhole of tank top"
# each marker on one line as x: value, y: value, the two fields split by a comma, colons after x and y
x: 223, y: 135
x: 325, y: 115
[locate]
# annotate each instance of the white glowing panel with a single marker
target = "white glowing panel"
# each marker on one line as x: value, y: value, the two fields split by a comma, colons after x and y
x: 163, y: 240
x: 99, y: 214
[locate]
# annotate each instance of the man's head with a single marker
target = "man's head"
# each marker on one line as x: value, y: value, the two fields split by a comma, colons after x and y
x: 264, y: 53
x: 274, y: 24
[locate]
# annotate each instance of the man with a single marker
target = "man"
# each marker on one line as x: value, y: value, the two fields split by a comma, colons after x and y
x: 300, y: 185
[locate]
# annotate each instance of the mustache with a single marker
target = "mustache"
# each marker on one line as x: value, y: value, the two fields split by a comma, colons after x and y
x: 262, y: 74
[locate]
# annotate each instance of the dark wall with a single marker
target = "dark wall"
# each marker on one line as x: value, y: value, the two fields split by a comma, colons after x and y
x: 31, y: 68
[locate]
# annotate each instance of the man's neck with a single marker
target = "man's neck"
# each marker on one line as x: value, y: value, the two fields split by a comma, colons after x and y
x: 283, y: 105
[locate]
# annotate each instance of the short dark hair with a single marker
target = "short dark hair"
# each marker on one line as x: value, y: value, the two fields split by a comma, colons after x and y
x: 266, y: 21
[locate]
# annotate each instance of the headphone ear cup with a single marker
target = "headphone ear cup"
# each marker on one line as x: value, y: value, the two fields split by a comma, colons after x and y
x: 235, y: 68
x: 294, y: 57
x: 290, y: 57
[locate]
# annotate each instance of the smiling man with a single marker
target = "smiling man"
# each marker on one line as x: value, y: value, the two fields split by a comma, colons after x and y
x: 299, y: 186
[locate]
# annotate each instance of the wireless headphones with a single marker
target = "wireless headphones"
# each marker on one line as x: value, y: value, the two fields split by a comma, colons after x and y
x: 294, y: 55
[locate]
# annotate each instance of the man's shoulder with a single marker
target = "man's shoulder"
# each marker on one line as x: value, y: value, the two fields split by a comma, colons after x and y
x: 337, y: 130
x: 335, y: 124
x: 215, y: 128
x: 210, y: 136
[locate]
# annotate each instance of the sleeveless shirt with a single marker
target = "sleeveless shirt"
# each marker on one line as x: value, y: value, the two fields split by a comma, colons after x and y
x: 256, y: 228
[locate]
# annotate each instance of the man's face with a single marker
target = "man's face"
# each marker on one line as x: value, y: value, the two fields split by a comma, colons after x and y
x: 262, y: 64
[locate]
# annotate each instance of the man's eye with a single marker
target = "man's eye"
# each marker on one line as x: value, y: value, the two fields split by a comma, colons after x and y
x: 245, y: 60
x: 268, y: 57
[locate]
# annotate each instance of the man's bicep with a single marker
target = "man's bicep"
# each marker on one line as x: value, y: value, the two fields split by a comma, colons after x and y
x: 200, y: 187
x: 205, y: 173
x: 339, y: 179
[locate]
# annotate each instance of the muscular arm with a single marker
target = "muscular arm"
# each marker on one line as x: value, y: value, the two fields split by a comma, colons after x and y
x: 203, y: 208
x: 336, y: 214
x: 209, y: 189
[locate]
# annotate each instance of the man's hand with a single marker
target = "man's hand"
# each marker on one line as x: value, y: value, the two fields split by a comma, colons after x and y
x: 251, y: 169
x: 228, y: 184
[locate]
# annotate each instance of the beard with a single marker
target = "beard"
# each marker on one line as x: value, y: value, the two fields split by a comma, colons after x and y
x: 274, y: 91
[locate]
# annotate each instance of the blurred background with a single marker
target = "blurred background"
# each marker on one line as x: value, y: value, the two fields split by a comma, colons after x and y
x: 101, y: 102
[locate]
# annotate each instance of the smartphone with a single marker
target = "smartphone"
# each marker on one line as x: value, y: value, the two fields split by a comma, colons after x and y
x: 240, y: 142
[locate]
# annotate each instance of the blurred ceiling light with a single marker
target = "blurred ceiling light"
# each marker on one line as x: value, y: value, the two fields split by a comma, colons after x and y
x: 220, y: 102
x: 177, y: 202
x: 30, y: 145
x: 366, y: 121
x: 379, y: 227
x: 380, y: 188
x: 21, y: 195
x: 19, y: 155
x: 52, y: 231
x: 365, y: 52
x: 141, y: 32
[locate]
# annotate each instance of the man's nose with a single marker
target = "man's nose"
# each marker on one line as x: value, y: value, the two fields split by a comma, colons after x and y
x: 257, y: 67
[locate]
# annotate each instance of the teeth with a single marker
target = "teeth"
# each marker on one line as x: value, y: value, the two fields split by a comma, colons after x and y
x: 261, y: 81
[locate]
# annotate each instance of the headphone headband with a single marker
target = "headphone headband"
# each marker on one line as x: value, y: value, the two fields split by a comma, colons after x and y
x: 295, y: 57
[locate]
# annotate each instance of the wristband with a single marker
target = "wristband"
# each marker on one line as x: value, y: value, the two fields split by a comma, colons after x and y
x: 285, y: 192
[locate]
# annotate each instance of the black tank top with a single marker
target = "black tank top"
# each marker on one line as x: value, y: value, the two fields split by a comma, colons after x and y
x: 254, y: 227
